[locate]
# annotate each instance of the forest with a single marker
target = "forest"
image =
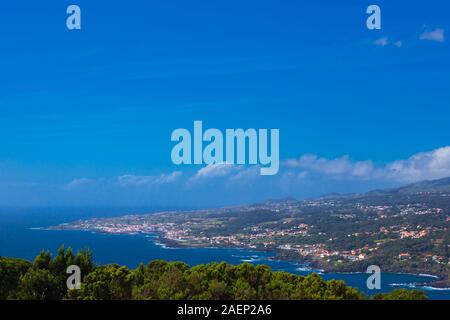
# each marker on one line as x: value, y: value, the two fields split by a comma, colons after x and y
x: 45, y: 279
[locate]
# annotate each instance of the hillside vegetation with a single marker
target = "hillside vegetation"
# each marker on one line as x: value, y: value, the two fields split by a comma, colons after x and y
x: 45, y: 279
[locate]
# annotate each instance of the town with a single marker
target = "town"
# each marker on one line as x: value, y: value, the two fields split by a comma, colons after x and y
x: 400, y: 232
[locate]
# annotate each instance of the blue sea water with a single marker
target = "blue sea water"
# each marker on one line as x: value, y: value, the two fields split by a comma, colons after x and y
x: 19, y: 238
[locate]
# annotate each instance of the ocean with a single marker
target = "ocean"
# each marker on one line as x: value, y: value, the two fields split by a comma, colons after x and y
x: 20, y: 238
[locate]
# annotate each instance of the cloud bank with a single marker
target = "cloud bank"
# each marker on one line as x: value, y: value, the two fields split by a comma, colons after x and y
x: 385, y: 41
x: 306, y: 176
x: 309, y: 175
x: 436, y: 35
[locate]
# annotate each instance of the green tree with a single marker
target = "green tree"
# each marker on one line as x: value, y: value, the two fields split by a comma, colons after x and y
x: 84, y: 260
x: 314, y: 287
x: 45, y: 278
x: 110, y: 282
x: 172, y: 283
x: 337, y: 290
x: 10, y: 272
x: 243, y: 291
x: 38, y: 284
x: 402, y: 294
x: 43, y: 260
x: 218, y: 290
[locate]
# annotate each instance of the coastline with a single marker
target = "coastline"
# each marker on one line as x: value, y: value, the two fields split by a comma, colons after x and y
x: 436, y: 282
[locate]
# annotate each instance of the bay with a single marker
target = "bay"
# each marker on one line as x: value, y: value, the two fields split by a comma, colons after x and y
x: 21, y: 237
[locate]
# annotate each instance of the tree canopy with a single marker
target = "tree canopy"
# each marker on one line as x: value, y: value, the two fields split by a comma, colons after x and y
x: 45, y: 279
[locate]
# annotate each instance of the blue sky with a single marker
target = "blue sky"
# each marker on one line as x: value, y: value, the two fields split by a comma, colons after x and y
x: 86, y: 116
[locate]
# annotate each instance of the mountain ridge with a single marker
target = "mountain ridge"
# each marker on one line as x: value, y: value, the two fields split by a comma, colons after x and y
x: 424, y: 186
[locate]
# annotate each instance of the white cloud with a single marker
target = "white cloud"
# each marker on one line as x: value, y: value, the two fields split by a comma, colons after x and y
x: 247, y: 174
x: 385, y: 41
x: 130, y: 180
x: 81, y: 183
x: 217, y: 170
x: 435, y: 35
x: 339, y: 167
x: 225, y: 175
x: 382, y: 42
x: 127, y: 180
x: 421, y: 166
x: 430, y: 165
x: 308, y: 175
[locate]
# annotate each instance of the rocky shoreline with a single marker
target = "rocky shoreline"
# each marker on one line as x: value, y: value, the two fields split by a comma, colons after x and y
x: 440, y: 282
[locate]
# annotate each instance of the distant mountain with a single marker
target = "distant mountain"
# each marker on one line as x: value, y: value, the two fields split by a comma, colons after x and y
x: 335, y: 195
x: 286, y: 199
x: 427, y: 186
x: 441, y: 185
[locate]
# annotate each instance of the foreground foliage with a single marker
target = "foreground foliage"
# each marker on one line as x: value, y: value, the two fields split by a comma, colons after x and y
x: 45, y: 279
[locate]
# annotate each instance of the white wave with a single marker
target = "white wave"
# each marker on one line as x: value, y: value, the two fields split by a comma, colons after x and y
x: 433, y: 288
x: 418, y: 286
x: 304, y: 269
x: 428, y: 275
x: 250, y: 260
